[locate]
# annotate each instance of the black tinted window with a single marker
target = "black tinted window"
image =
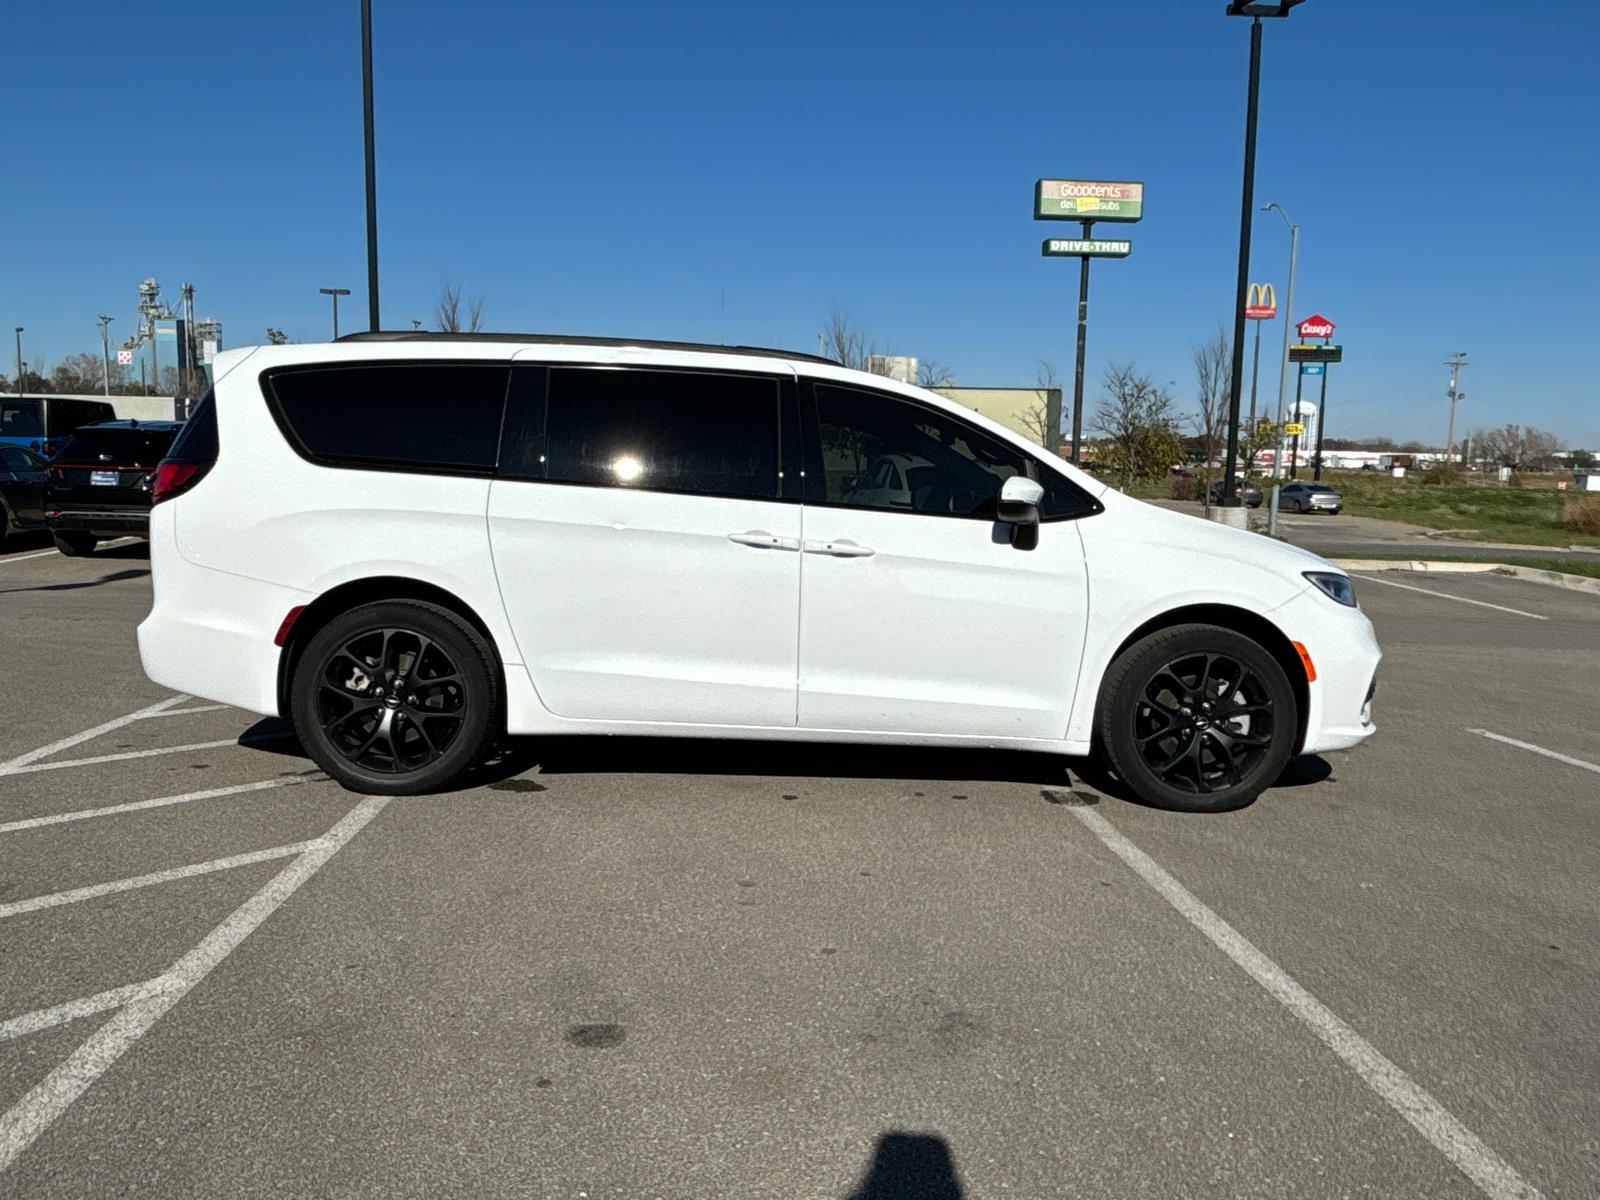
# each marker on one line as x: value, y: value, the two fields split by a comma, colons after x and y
x: 882, y: 452
x: 66, y: 415
x: 15, y: 458
x: 124, y: 447
x: 674, y: 431
x: 197, y: 441
x: 444, y: 416
x: 20, y: 419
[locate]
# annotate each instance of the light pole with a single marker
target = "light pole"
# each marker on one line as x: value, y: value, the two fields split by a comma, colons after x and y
x: 105, y: 352
x: 1457, y: 361
x: 1255, y: 10
x: 372, y: 181
x: 1283, y: 372
x: 335, y: 293
x: 19, y: 360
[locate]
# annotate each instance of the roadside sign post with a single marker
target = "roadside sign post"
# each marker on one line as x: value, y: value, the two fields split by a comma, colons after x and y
x: 1263, y: 306
x: 1085, y: 201
x: 1294, y: 454
x: 1322, y: 415
x: 1303, y: 352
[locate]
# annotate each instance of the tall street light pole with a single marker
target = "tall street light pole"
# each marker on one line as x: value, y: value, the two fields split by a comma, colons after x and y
x: 1457, y: 361
x: 18, y: 384
x: 105, y: 352
x: 335, y: 293
x: 1255, y: 11
x: 1283, y: 373
x: 372, y: 182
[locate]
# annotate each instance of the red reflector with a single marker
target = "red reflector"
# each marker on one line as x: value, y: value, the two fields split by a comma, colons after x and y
x: 289, y: 618
x: 172, y: 478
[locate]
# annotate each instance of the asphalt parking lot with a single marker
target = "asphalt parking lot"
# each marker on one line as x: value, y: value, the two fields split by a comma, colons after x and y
x: 703, y: 969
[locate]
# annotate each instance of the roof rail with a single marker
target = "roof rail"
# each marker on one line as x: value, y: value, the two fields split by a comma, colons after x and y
x: 556, y: 339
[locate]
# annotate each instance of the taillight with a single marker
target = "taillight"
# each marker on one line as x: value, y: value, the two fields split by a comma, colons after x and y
x: 173, y: 478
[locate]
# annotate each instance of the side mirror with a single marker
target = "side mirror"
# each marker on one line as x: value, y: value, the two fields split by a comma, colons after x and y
x: 1020, y: 498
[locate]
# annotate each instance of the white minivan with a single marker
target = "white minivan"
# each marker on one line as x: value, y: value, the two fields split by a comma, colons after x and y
x: 414, y: 544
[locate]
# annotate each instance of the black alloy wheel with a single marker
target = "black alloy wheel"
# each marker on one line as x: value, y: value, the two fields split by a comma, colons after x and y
x: 395, y: 698
x: 1197, y: 718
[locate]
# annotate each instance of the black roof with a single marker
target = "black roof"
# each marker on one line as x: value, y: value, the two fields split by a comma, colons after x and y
x: 555, y: 339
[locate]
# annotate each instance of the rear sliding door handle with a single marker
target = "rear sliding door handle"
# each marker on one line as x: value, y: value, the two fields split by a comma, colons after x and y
x: 760, y: 539
x: 842, y: 548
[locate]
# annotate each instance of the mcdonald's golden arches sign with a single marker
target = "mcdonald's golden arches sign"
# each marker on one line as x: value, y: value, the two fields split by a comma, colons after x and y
x: 1263, y: 304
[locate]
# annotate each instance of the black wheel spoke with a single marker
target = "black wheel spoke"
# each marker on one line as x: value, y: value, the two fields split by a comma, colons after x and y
x: 1203, y: 722
x: 391, y: 700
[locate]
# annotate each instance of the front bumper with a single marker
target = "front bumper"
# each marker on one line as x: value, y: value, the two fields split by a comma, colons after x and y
x: 1344, y: 650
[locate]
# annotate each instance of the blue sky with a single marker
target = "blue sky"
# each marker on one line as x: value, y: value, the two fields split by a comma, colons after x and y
x: 618, y: 169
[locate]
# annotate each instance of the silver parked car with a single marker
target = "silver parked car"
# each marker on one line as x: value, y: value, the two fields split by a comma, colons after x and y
x: 1311, y: 497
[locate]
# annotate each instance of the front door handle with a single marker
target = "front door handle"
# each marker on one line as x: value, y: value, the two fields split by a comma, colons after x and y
x: 760, y: 539
x: 841, y: 548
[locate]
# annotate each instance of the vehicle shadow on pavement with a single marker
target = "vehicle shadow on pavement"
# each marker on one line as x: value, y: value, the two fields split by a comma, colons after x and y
x: 721, y: 756
x: 910, y: 1166
x: 113, y: 577
x: 1304, y: 770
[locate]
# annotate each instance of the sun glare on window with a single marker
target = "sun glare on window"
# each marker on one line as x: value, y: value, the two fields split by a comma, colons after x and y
x: 627, y: 468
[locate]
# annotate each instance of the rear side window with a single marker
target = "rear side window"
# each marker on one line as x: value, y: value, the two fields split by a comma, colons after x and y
x: 20, y: 418
x: 63, y: 416
x: 423, y: 416
x: 672, y: 431
x: 197, y: 440
x: 123, y: 447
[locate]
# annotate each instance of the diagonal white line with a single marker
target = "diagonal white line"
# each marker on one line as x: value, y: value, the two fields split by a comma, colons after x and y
x: 68, y: 742
x: 184, y: 712
x: 1494, y: 1176
x: 85, y: 1006
x: 62, y: 764
x: 95, y: 890
x: 1565, y: 758
x: 52, y: 1096
x: 1411, y: 587
x: 111, y: 810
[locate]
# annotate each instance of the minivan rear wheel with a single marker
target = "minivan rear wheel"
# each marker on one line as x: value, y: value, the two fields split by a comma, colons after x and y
x: 395, y: 698
x: 1197, y: 718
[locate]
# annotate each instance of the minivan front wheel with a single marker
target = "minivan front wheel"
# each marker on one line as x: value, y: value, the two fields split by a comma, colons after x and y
x: 395, y: 698
x: 1197, y: 718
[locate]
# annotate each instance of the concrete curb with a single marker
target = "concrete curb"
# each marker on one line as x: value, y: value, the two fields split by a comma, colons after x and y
x: 1573, y: 583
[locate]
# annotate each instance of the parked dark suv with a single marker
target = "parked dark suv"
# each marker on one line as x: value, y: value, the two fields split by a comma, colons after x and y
x: 99, y: 484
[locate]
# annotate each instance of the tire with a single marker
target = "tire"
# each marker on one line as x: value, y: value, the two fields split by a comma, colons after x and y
x: 76, y: 545
x: 1141, y: 721
x: 414, y: 740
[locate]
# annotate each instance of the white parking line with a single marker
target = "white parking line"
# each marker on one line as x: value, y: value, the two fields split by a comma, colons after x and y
x: 184, y: 712
x: 1565, y: 758
x: 47, y: 553
x: 86, y: 1006
x: 111, y: 810
x: 53, y: 1095
x: 67, y: 743
x: 1494, y: 1176
x: 127, y: 754
x: 96, y: 890
x: 1411, y: 587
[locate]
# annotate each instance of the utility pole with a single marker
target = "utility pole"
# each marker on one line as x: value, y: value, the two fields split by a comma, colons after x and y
x: 1457, y: 361
x: 105, y: 352
x: 372, y: 180
x: 335, y: 293
x: 18, y: 384
x: 1283, y: 372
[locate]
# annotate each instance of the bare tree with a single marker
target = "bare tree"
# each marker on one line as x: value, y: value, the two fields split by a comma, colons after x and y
x: 1522, y: 448
x: 1213, y: 369
x: 1142, y: 439
x: 845, y: 342
x: 1036, y: 417
x: 931, y: 373
x: 447, y: 311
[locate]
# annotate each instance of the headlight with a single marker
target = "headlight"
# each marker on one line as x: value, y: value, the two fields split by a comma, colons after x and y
x: 1334, y: 585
